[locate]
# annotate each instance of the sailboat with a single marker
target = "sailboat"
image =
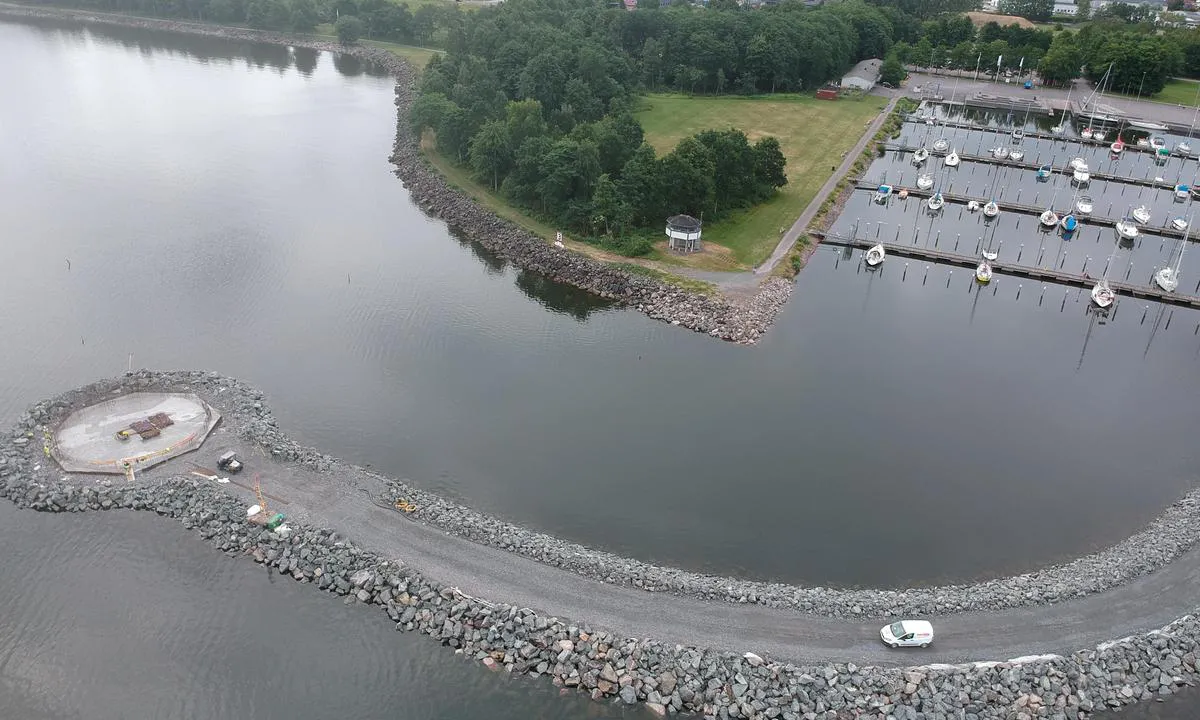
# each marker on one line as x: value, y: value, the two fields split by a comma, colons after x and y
x: 1179, y: 223
x: 983, y: 272
x: 1084, y: 205
x: 1181, y: 191
x: 1117, y: 147
x: 1081, y: 175
x: 1058, y: 129
x: 1078, y: 163
x: 920, y: 155
x: 991, y: 209
x: 875, y: 255
x: 924, y: 181
x: 1048, y: 218
x: 1086, y: 133
x: 936, y: 201
x: 1126, y: 228
x: 1000, y: 153
x: 1016, y: 155
x: 952, y: 159
x: 1168, y: 277
x: 941, y: 144
x: 1102, y: 294
x: 1184, y: 147
x: 1019, y: 135
x: 1069, y: 223
x: 1141, y: 214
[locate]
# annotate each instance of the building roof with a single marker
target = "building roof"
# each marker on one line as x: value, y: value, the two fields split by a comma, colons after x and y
x: 866, y: 70
x: 684, y: 222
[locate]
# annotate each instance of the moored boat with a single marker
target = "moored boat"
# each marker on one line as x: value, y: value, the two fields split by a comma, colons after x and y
x: 936, y: 201
x: 1179, y: 223
x: 920, y: 155
x: 1117, y: 148
x: 941, y: 144
x: 1083, y: 205
x: 1126, y: 230
x: 1044, y: 171
x: 924, y: 181
x: 983, y: 272
x: 1081, y: 176
x: 875, y: 255
x: 952, y: 159
x: 1069, y: 223
x: 1141, y: 214
x: 1103, y: 295
x: 1016, y: 155
x: 883, y: 193
x: 991, y: 209
x: 1048, y: 218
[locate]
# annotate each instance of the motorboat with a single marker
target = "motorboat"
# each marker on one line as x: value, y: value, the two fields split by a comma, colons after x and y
x: 1016, y: 155
x: 875, y: 255
x: 920, y: 156
x: 952, y: 159
x: 983, y: 272
x: 1083, y: 205
x: 1044, y: 172
x: 1181, y: 191
x: 883, y: 193
x: 1143, y: 142
x: 1141, y: 214
x: 1103, y: 295
x: 1162, y: 155
x: 1183, y: 148
x: 1143, y: 125
x: 1081, y: 176
x: 1179, y: 223
x: 1158, y: 143
x: 991, y: 209
x: 941, y: 144
x: 973, y: 206
x: 1117, y: 148
x: 903, y: 194
x: 1057, y: 129
x: 1069, y: 223
x: 1000, y: 153
x: 1049, y: 218
x: 1098, y: 135
x: 990, y: 255
x: 1078, y: 164
x: 1018, y: 135
x: 1126, y: 230
x: 924, y: 181
x: 1086, y: 133
x: 936, y: 201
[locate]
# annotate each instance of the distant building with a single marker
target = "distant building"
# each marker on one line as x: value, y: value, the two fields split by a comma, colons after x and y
x: 863, y: 76
x: 683, y: 233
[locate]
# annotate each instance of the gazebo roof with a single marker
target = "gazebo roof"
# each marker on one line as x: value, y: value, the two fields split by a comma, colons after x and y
x: 683, y: 222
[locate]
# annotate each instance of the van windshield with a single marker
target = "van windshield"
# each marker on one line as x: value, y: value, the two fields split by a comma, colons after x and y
x: 897, y: 630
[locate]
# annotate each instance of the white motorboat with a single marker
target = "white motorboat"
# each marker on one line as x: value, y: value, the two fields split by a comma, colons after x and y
x: 1057, y: 129
x: 920, y: 155
x: 1168, y: 277
x: 1144, y: 125
x: 1179, y: 223
x: 1183, y: 148
x: 924, y: 181
x: 1018, y: 135
x: 1049, y: 218
x: 983, y: 272
x: 952, y: 159
x: 1098, y: 135
x: 883, y: 193
x: 1103, y: 295
x: 991, y: 209
x: 1000, y: 153
x: 990, y: 255
x: 1126, y: 230
x: 1078, y: 164
x: 1044, y: 172
x: 973, y: 206
x: 1157, y: 143
x: 1117, y: 148
x: 1181, y: 191
x: 1083, y: 205
x: 875, y: 255
x: 1141, y: 214
x: 941, y: 144
x: 1081, y: 176
x: 1086, y: 133
x: 1143, y: 142
x: 1016, y: 155
x: 936, y: 201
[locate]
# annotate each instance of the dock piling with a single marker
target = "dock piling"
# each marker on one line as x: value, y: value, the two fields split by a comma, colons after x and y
x: 1169, y: 316
x: 1018, y: 291
x: 1020, y: 251
x: 924, y: 279
x: 949, y: 277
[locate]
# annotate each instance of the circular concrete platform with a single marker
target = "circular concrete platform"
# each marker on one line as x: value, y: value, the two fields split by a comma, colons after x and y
x: 87, y: 441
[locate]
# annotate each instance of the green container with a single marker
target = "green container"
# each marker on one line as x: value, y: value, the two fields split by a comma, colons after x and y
x: 275, y: 521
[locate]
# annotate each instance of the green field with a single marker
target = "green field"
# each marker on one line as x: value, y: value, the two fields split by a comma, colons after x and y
x: 814, y: 135
x: 1178, y: 92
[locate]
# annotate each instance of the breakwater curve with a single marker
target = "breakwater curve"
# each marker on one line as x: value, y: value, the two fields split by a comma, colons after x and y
x: 722, y: 657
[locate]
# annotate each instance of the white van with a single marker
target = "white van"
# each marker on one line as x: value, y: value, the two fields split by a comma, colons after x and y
x: 907, y: 633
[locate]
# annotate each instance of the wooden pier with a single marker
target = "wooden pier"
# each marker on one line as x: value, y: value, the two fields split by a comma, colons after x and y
x: 989, y: 159
x: 1144, y: 292
x: 1037, y: 135
x: 1026, y: 209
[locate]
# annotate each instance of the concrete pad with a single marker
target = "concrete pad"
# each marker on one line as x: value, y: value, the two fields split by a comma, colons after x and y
x: 86, y: 440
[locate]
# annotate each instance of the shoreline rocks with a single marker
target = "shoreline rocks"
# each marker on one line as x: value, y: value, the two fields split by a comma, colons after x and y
x: 668, y: 679
x: 740, y: 320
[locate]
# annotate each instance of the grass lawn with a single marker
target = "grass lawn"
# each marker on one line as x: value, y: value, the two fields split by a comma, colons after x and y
x: 1178, y: 92
x: 814, y: 135
x: 418, y: 56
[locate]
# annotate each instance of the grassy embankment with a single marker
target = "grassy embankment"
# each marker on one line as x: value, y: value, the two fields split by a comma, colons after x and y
x: 890, y: 129
x: 418, y: 56
x: 1178, y: 91
x: 813, y: 134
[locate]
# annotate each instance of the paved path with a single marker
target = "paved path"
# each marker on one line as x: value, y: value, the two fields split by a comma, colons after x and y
x: 797, y: 229
x: 345, y: 504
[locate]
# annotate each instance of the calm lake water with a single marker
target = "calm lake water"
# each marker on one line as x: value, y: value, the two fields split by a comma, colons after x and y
x: 195, y: 203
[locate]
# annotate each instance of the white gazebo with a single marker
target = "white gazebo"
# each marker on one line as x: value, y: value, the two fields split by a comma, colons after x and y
x: 683, y: 233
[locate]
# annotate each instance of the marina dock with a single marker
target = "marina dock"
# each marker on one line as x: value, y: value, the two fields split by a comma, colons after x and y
x: 1081, y: 279
x: 1036, y: 134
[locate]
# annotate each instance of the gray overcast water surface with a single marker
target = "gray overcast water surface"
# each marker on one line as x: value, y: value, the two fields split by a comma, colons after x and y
x: 201, y: 204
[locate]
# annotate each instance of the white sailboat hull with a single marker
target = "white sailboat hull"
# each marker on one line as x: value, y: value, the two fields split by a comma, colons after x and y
x: 1142, y: 215
x: 1167, y: 279
x: 1049, y: 219
x: 875, y: 255
x: 1103, y: 295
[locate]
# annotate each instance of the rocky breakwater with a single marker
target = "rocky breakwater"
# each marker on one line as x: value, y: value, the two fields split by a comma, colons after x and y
x: 741, y: 319
x: 604, y: 664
